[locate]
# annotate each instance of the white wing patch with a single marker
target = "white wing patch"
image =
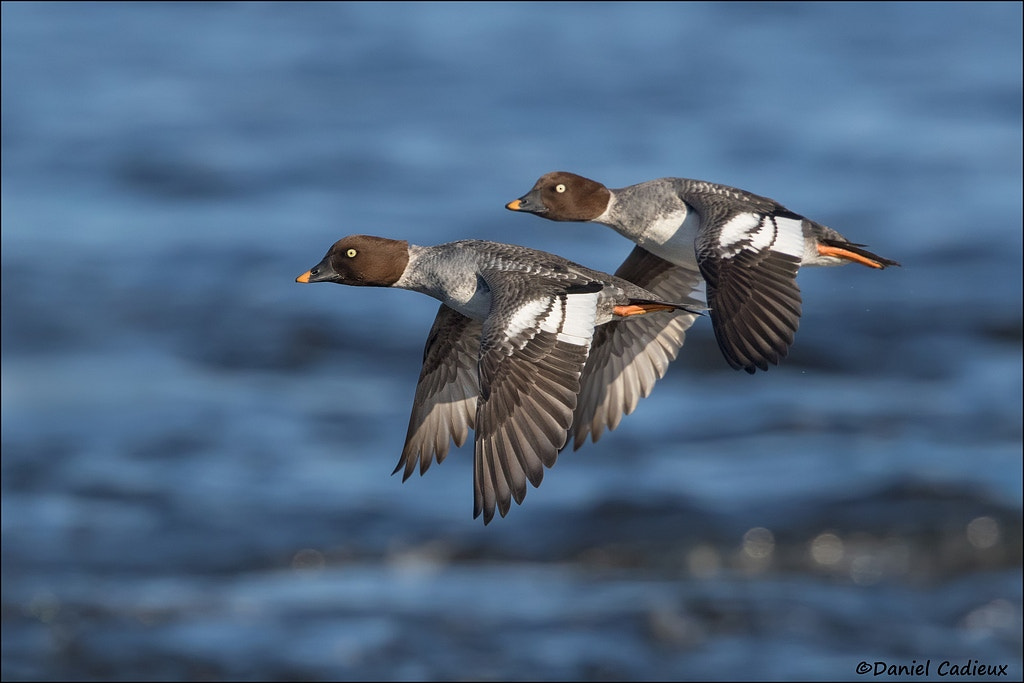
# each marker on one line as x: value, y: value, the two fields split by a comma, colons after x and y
x: 791, y: 237
x: 525, y: 317
x: 759, y: 232
x: 576, y: 324
x: 746, y: 227
x: 571, y: 319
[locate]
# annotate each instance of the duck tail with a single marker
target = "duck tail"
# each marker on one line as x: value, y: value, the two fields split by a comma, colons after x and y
x: 851, y: 251
x: 641, y: 306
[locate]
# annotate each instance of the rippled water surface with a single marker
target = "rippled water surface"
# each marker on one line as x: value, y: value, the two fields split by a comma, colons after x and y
x: 196, y: 450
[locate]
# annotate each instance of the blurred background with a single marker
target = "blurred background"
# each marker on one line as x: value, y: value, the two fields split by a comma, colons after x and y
x: 197, y: 451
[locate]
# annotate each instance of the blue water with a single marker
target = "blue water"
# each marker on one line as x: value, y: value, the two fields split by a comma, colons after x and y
x: 197, y: 451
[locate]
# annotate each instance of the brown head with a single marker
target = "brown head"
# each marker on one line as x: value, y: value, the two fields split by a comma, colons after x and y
x: 361, y: 260
x: 563, y: 196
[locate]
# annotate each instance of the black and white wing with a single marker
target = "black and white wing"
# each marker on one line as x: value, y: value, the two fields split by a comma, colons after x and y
x: 629, y: 356
x: 749, y: 261
x: 533, y: 350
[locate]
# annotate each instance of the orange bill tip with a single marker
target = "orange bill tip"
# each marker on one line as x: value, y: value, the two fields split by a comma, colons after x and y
x: 303, y: 278
x: 513, y: 205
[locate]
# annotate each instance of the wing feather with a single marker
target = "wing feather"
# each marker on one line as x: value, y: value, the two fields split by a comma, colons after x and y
x: 444, y: 407
x: 629, y: 356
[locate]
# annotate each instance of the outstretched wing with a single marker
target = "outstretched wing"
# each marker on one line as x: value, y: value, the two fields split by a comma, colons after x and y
x: 628, y: 356
x: 750, y: 261
x: 444, y: 408
x: 532, y: 354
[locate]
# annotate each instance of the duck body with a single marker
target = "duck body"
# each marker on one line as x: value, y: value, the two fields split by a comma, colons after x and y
x: 509, y: 353
x: 747, y: 250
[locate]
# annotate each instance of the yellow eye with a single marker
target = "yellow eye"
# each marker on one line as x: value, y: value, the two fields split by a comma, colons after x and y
x: 559, y: 188
x: 351, y: 253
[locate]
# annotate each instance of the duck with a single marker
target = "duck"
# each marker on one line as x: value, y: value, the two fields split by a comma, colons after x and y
x: 512, y: 354
x: 744, y: 249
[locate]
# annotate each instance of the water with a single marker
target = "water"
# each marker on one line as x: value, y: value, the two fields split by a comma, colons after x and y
x: 196, y: 450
